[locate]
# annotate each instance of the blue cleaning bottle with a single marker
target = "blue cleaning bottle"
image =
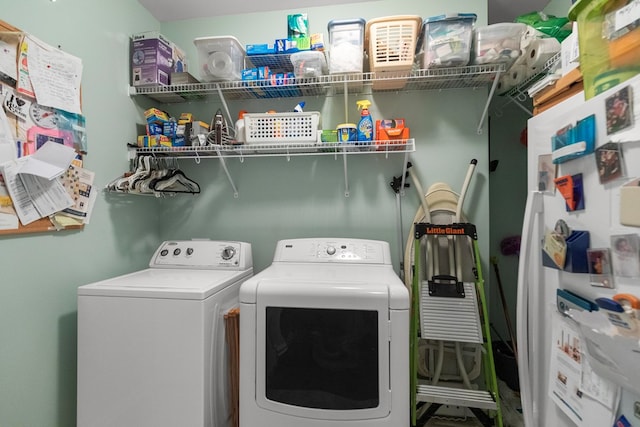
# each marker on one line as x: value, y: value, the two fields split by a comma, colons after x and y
x: 365, y: 125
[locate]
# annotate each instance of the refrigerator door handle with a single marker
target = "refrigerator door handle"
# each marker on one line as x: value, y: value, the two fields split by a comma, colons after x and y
x: 528, y: 244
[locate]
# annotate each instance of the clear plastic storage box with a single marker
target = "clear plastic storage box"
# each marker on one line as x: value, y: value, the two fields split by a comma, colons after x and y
x: 609, y: 42
x: 220, y: 58
x: 309, y: 63
x: 346, y: 46
x: 447, y: 40
x: 497, y: 43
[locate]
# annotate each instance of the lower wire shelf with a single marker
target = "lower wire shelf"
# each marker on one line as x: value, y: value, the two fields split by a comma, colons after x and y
x: 288, y: 150
x: 277, y: 149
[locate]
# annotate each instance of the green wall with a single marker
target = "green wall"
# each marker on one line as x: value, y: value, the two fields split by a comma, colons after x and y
x: 40, y: 273
x: 509, y: 189
x: 277, y: 198
x: 305, y: 196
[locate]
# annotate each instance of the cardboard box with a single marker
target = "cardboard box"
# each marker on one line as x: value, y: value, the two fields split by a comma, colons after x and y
x: 151, y: 59
x: 154, y: 115
x: 297, y: 25
x: 182, y: 79
x: 154, y: 58
x: 148, y: 141
x: 570, y: 51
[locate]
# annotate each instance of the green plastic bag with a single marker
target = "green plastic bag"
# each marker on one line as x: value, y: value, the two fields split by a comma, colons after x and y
x: 552, y: 26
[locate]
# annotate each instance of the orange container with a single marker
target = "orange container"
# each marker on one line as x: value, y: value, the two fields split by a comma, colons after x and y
x: 391, y: 131
x: 625, y: 51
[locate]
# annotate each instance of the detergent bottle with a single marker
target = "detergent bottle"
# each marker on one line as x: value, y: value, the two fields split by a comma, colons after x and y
x: 365, y: 125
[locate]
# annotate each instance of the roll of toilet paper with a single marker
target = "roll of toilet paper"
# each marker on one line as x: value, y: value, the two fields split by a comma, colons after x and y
x: 220, y: 65
x: 540, y: 51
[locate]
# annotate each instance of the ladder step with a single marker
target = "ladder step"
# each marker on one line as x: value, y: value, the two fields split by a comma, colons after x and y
x: 450, y: 319
x: 455, y: 396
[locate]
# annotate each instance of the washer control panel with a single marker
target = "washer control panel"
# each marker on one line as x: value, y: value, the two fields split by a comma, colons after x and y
x: 333, y: 250
x: 202, y: 254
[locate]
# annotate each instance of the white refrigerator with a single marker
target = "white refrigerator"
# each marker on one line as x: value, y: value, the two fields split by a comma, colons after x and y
x: 581, y: 368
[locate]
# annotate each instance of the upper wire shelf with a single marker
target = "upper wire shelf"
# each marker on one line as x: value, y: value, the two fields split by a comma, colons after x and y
x: 523, y: 87
x: 425, y: 79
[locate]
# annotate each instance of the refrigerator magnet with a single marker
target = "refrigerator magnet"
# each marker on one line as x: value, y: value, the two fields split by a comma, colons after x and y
x: 570, y: 186
x: 600, y: 267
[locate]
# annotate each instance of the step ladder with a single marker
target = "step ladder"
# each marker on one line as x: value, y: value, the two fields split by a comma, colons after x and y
x: 451, y: 308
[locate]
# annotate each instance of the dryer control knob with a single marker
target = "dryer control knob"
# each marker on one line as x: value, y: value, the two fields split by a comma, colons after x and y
x: 189, y: 251
x: 228, y: 253
x: 331, y: 250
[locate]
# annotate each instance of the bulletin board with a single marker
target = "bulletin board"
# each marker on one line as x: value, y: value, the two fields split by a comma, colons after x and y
x: 46, y: 223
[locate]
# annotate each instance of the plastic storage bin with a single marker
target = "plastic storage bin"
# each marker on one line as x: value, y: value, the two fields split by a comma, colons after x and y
x: 497, y: 43
x: 346, y: 46
x: 391, y: 44
x: 609, y: 41
x: 447, y: 40
x: 220, y: 58
x: 309, y: 63
x: 282, y: 128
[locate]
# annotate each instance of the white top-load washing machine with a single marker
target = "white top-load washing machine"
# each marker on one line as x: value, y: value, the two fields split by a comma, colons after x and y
x: 324, y: 338
x: 151, y: 344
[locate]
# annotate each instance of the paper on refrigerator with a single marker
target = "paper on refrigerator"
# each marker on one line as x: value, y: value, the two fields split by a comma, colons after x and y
x: 578, y: 391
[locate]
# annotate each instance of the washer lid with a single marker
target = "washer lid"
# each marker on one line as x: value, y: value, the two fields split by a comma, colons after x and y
x: 166, y: 283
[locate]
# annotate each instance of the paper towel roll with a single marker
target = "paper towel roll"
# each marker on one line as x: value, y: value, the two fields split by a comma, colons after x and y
x: 516, y: 74
x: 540, y: 51
x: 220, y: 65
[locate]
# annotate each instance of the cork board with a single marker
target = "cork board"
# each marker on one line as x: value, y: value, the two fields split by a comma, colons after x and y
x: 43, y: 224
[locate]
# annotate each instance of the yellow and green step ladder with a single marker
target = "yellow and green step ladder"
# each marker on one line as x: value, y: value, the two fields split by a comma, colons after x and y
x: 446, y: 308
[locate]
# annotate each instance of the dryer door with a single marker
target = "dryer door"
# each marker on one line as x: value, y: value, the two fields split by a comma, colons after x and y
x: 323, y: 349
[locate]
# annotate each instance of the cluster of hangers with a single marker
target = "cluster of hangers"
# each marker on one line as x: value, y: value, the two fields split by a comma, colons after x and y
x: 154, y: 176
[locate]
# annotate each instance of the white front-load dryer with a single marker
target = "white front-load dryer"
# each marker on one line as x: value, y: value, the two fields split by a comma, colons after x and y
x: 324, y: 338
x: 151, y: 344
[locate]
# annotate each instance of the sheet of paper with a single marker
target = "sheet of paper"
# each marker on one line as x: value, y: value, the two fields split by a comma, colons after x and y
x: 583, y: 396
x: 55, y: 76
x: 50, y: 161
x: 24, y: 206
x: 79, y: 184
x: 8, y: 150
x: 48, y: 196
x: 23, y: 85
x: 9, y: 43
x: 8, y: 215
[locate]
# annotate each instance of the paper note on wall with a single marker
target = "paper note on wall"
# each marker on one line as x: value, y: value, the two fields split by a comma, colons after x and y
x: 24, y: 81
x: 55, y: 76
x: 9, y: 43
x: 8, y: 149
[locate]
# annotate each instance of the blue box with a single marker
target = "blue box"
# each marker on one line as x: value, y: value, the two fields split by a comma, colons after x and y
x: 179, y: 141
x: 154, y: 129
x: 263, y: 73
x: 170, y: 129
x: 257, y: 73
x: 250, y: 74
x: 286, y: 46
x: 622, y: 422
x: 260, y: 49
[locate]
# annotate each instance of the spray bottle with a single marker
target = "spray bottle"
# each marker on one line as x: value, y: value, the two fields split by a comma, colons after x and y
x: 365, y: 125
